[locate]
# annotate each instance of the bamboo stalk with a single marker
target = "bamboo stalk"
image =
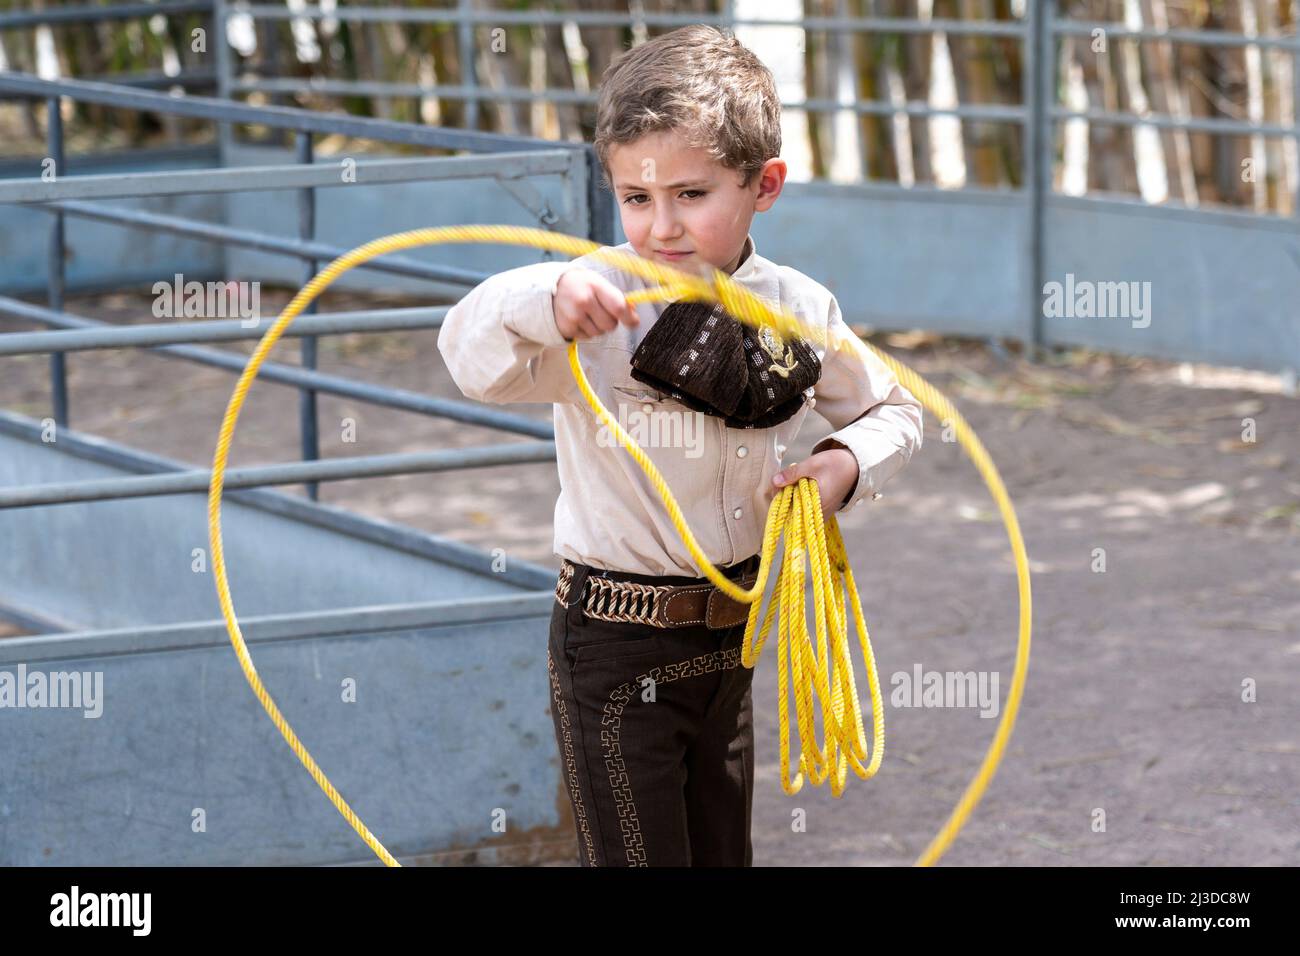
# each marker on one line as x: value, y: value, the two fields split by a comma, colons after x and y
x: 1168, y: 95
x: 1255, y: 107
x: 878, y: 155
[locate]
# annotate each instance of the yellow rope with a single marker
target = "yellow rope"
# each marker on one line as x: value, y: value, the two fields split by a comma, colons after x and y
x: 795, y: 511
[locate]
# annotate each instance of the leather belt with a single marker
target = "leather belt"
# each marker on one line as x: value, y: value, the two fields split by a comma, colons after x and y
x: 631, y: 602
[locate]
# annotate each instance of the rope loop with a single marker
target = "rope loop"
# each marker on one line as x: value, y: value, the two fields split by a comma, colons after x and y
x: 820, y: 676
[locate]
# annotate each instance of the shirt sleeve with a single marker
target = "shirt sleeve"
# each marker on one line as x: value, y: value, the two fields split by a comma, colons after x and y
x: 501, y: 343
x: 875, y: 418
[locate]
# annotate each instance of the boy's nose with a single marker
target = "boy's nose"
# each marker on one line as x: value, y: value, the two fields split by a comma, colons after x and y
x: 664, y: 228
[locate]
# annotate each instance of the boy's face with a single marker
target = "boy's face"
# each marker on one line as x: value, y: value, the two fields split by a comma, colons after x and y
x: 675, y: 198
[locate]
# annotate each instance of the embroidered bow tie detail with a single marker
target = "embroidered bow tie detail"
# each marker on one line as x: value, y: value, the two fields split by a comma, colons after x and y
x: 714, y: 363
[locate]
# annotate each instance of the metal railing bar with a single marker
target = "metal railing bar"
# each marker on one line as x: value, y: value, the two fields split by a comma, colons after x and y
x: 370, y: 172
x: 984, y: 112
x: 290, y: 473
x: 218, y: 330
x: 14, y: 167
x: 615, y: 19
x: 286, y: 117
x: 1037, y: 156
x: 465, y: 51
x: 890, y: 189
x: 1165, y: 121
x: 133, y: 461
x: 246, y: 238
x: 91, y: 13
x: 308, y: 427
x: 223, y: 58
x: 1174, y: 210
x: 382, y: 88
x: 888, y: 25
x: 56, y: 261
x: 987, y: 112
x: 153, y: 78
x: 36, y: 625
x: 1118, y: 31
x: 469, y: 413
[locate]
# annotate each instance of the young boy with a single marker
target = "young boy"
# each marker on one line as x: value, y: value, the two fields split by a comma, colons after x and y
x: 651, y: 705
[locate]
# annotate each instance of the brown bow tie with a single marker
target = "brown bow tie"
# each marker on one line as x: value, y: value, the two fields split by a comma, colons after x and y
x: 714, y: 363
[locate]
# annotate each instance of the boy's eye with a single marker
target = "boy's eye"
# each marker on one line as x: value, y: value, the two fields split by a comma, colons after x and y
x: 691, y: 193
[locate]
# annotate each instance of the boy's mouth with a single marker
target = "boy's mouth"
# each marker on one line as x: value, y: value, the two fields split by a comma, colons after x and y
x: 669, y: 254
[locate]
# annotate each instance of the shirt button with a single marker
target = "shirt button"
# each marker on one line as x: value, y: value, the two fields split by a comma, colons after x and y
x: 877, y: 495
x: 736, y: 514
x: 742, y: 451
x: 647, y: 408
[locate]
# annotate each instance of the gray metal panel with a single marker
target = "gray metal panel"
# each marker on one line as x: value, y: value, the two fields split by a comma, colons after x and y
x: 129, y: 562
x: 449, y: 724
x: 269, y: 628
x: 1225, y: 287
x: 905, y: 258
x: 350, y: 216
x: 98, y: 255
x: 302, y: 174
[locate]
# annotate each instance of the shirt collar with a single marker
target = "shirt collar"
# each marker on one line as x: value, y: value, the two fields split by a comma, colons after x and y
x: 747, y: 264
x: 760, y: 276
x: 753, y: 272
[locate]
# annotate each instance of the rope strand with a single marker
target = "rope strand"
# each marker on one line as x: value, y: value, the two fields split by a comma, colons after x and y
x: 825, y: 674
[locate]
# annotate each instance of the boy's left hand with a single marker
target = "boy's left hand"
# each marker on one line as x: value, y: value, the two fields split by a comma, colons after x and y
x: 836, y: 471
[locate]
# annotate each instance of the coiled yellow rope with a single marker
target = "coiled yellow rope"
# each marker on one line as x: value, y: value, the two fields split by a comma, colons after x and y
x: 796, y: 511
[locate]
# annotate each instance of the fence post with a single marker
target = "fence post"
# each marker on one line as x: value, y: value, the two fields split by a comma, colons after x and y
x: 465, y: 50
x: 1038, y: 93
x: 307, y: 417
x: 1295, y: 108
x: 1291, y: 374
x: 269, y: 38
x: 55, y: 277
x: 600, y: 201
x: 221, y: 63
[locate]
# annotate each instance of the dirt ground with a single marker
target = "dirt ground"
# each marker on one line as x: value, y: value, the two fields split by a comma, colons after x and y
x: 1134, y: 707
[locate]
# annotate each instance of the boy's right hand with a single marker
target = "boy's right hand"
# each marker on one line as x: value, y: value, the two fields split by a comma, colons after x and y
x: 587, y: 304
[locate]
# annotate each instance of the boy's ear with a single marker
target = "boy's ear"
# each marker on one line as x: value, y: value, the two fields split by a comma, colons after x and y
x: 771, y: 179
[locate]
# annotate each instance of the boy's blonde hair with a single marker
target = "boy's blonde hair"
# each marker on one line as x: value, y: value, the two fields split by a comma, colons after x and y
x: 701, y: 82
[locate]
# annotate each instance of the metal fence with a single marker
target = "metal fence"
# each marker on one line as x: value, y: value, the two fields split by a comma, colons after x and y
x: 1041, y: 227
x: 505, y: 160
x: 1043, y: 234
x: 972, y: 260
x: 98, y: 541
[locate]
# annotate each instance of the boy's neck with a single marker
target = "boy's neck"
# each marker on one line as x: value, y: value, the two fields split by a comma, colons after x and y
x: 740, y: 258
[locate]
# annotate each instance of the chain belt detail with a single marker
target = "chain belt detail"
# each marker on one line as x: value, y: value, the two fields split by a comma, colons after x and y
x: 665, y: 605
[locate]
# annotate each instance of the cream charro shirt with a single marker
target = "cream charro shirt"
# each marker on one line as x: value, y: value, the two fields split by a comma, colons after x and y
x: 501, y: 345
